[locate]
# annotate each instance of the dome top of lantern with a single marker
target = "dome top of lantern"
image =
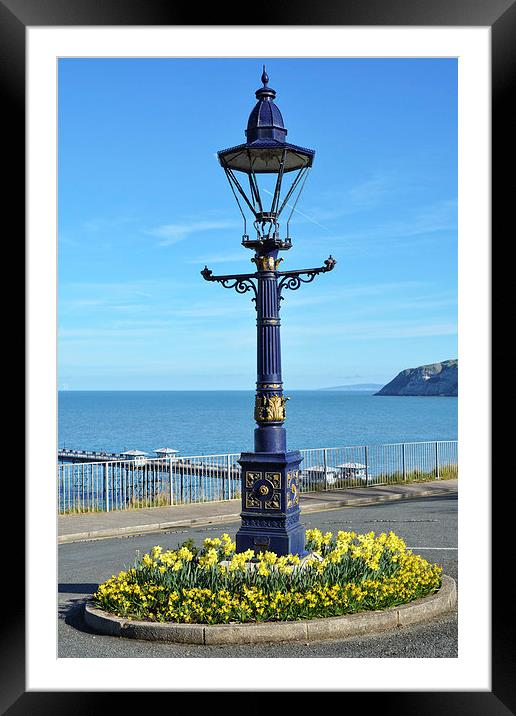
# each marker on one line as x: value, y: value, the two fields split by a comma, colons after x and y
x: 266, y: 149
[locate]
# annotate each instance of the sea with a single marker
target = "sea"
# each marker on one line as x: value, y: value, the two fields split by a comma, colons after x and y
x: 219, y: 422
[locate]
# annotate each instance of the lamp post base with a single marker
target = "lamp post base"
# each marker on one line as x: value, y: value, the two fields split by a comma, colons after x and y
x: 270, y: 503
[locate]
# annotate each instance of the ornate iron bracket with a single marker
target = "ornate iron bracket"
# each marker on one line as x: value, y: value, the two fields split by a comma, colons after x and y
x: 242, y: 283
x: 293, y: 280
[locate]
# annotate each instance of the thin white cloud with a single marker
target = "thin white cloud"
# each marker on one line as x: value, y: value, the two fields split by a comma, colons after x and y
x: 347, y: 292
x: 172, y: 233
x: 64, y: 239
x: 372, y: 330
x: 368, y: 192
x: 109, y: 341
x: 122, y: 291
x: 414, y: 229
x: 441, y: 216
x: 106, y: 223
x: 341, y: 201
x: 243, y: 255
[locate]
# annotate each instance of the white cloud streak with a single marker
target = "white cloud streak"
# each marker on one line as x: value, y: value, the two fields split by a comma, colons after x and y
x: 173, y: 233
x: 372, y: 330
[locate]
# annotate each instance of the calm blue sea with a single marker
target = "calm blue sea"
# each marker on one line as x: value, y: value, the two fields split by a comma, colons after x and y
x: 212, y: 422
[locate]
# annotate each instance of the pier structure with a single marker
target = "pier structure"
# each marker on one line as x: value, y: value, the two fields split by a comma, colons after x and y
x: 70, y: 455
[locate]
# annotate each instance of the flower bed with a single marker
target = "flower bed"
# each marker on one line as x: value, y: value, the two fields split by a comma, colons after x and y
x: 342, y: 574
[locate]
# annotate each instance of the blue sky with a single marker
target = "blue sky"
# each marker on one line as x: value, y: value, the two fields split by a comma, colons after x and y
x: 143, y: 205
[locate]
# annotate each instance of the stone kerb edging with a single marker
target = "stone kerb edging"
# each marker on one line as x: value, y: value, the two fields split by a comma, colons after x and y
x: 420, y: 610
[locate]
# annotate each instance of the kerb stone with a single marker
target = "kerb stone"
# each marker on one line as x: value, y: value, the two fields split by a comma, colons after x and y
x: 351, y: 624
x: 255, y: 633
x: 429, y: 607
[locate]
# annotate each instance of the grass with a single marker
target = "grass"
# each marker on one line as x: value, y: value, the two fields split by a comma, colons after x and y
x: 79, y: 509
x: 161, y: 499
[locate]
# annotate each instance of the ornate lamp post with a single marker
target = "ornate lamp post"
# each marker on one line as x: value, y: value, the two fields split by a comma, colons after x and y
x: 270, y: 474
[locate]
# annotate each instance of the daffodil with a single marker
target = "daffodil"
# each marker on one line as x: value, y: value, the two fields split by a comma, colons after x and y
x: 159, y: 586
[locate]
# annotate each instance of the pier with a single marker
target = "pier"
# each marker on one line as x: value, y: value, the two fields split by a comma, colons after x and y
x: 67, y: 455
x: 137, y: 456
x: 133, y: 462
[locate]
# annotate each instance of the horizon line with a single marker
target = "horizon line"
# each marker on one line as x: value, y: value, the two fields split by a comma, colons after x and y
x: 196, y: 390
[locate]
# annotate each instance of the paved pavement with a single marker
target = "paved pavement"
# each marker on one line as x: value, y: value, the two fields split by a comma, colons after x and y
x: 99, y: 525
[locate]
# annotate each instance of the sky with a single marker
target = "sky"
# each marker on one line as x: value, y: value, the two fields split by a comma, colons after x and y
x: 143, y: 205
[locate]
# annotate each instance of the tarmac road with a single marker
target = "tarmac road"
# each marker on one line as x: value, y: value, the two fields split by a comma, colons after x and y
x: 428, y: 526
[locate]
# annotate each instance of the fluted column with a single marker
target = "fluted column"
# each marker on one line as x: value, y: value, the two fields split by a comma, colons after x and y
x: 269, y: 411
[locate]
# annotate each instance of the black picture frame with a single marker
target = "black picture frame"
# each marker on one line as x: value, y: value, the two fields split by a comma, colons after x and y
x: 500, y: 16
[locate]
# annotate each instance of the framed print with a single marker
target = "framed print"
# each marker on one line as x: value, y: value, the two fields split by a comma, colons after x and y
x: 35, y: 36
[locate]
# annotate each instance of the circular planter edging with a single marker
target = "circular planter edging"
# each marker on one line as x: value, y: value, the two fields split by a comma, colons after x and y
x: 420, y: 610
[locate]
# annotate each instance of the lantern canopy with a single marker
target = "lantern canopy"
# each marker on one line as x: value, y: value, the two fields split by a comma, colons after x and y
x: 266, y: 152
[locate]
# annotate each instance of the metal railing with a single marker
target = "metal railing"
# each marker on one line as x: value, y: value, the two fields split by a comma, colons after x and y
x: 159, y: 482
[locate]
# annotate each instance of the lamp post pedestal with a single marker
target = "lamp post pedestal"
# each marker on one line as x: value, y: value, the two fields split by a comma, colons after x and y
x: 270, y: 503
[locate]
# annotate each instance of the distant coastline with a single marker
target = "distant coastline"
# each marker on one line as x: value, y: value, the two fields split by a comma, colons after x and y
x: 356, y: 386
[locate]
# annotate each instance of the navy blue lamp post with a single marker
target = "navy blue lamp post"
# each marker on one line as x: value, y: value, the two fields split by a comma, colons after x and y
x: 270, y: 474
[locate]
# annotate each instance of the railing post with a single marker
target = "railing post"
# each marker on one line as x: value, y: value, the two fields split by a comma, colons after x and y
x: 228, y: 463
x: 437, y: 460
x: 325, y: 462
x: 403, y: 462
x: 106, y: 485
x: 59, y: 483
x: 170, y: 489
x: 366, y: 462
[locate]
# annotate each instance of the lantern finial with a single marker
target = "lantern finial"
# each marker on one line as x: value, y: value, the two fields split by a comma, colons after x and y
x: 265, y: 77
